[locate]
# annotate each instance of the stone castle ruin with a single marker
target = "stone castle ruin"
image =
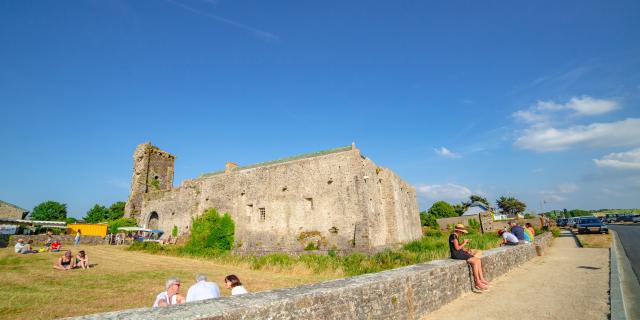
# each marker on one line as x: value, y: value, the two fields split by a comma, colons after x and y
x: 329, y: 200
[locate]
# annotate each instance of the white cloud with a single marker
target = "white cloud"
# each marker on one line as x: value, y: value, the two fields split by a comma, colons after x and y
x: 588, y: 106
x: 622, y: 160
x: 567, y: 188
x: 447, y: 191
x: 544, y: 139
x: 444, y: 152
x: 581, y: 106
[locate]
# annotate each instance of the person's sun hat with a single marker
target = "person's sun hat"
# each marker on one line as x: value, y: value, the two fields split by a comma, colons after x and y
x: 460, y: 227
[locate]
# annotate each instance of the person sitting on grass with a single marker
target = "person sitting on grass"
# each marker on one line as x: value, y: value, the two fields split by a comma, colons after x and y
x: 27, y: 248
x: 171, y: 296
x: 55, y: 246
x: 528, y: 235
x: 19, y: 245
x: 459, y: 252
x: 66, y: 262
x: 508, y: 238
x: 233, y: 282
x: 82, y: 260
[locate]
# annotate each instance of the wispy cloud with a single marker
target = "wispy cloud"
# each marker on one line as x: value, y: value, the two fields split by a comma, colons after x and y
x: 621, y: 160
x: 264, y: 35
x: 544, y: 139
x: 119, y: 183
x: 544, y: 111
x: 447, y: 191
x: 559, y: 193
x: 444, y: 152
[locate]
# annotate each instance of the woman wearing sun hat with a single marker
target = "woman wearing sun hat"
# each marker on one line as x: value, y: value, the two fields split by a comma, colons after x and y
x: 459, y: 252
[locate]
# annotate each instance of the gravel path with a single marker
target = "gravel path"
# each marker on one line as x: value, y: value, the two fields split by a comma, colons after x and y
x: 567, y: 283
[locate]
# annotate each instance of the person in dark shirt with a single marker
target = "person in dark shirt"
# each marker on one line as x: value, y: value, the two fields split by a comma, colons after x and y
x: 517, y: 231
x: 459, y: 252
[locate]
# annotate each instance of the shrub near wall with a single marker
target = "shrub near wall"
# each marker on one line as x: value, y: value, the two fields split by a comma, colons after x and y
x: 211, y: 231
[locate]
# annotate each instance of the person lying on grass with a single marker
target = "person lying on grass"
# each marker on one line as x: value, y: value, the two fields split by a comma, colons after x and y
x: 171, y: 296
x: 55, y: 246
x: 82, y: 260
x: 66, y: 262
x: 459, y: 252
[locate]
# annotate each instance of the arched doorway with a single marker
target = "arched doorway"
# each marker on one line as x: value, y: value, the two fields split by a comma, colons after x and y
x: 153, y: 221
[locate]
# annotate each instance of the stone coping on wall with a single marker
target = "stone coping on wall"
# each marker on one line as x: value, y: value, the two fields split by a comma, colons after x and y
x: 403, y: 293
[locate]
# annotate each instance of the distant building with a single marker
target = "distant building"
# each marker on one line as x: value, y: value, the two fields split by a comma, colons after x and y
x: 334, y: 200
x: 476, y: 208
x: 8, y: 210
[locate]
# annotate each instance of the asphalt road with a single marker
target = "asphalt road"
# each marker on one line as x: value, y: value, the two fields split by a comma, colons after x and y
x: 629, y: 235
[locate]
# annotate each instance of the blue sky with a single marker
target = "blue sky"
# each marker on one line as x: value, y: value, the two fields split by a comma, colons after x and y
x: 537, y: 100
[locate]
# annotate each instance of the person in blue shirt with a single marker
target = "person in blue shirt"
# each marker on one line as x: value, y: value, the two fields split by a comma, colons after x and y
x: 518, y: 231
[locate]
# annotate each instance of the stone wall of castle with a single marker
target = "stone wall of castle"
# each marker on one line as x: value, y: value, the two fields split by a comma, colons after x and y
x: 339, y: 201
x: 152, y: 172
x: 8, y: 210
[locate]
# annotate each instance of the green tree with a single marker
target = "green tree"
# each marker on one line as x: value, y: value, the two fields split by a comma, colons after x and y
x: 429, y: 220
x: 441, y: 209
x: 473, y: 198
x: 50, y: 211
x: 460, y: 208
x: 96, y: 214
x: 511, y: 205
x: 211, y: 231
x: 116, y: 210
x: 122, y: 222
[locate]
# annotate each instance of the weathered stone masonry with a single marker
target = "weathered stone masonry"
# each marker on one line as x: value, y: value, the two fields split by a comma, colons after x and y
x: 404, y: 293
x: 335, y: 199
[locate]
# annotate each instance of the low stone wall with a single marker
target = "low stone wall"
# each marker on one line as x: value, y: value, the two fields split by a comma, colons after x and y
x: 65, y: 239
x: 404, y: 293
x: 495, y: 225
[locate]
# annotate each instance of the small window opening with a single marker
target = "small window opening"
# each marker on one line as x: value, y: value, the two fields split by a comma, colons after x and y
x: 330, y: 181
x: 310, y: 202
x: 156, y: 177
x: 284, y: 188
x: 263, y: 213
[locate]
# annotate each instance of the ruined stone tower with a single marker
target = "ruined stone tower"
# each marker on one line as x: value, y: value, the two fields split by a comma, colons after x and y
x: 152, y: 171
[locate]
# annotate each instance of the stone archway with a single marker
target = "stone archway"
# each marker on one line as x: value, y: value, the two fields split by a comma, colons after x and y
x: 154, y: 220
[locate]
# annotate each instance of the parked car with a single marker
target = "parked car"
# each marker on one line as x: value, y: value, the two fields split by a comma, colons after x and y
x: 611, y: 217
x: 591, y: 224
x: 561, y: 222
x: 624, y: 218
x: 636, y: 218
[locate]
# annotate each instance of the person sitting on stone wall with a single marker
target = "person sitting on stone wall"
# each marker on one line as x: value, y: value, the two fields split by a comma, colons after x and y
x: 529, y: 232
x: 203, y: 289
x: 508, y: 238
x: 170, y: 296
x: 518, y: 231
x: 459, y: 252
x: 82, y: 260
x: 66, y: 262
x: 233, y: 282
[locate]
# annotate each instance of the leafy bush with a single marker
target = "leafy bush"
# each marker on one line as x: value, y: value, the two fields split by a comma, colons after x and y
x: 122, y: 222
x: 555, y: 231
x: 474, y: 225
x: 211, y: 231
x: 150, y: 247
x: 311, y: 246
x: 427, y: 219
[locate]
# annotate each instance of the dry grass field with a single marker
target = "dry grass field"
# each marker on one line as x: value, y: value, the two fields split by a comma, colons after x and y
x: 595, y: 240
x: 121, y: 279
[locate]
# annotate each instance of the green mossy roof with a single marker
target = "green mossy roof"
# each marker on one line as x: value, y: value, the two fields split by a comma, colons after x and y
x: 298, y: 157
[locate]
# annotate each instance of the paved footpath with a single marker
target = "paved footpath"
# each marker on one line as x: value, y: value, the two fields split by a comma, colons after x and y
x: 566, y: 283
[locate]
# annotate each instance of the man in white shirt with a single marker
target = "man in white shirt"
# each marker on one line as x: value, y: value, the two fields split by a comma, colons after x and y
x: 508, y: 238
x: 203, y: 289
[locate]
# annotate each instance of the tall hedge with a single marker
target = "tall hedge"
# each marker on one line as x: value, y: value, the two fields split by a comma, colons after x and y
x: 211, y: 231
